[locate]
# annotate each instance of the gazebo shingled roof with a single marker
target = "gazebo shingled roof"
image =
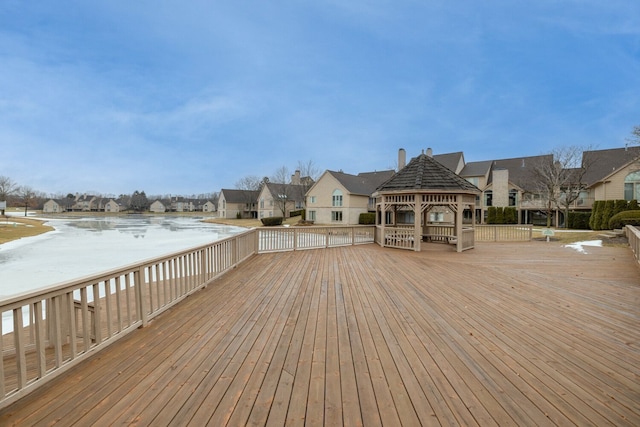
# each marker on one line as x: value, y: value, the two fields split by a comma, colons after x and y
x: 425, y: 173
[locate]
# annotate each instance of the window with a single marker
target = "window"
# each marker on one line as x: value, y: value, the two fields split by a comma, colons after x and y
x: 336, y: 216
x: 262, y: 203
x: 436, y: 216
x: 513, y: 197
x: 312, y: 215
x: 632, y: 186
x: 406, y: 217
x: 488, y: 198
x: 474, y: 180
x: 337, y: 198
x: 312, y: 199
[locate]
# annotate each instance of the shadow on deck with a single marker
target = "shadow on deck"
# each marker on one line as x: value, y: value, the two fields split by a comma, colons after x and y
x: 527, y: 334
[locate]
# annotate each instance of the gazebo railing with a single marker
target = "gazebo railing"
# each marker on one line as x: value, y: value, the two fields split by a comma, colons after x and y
x: 397, y: 237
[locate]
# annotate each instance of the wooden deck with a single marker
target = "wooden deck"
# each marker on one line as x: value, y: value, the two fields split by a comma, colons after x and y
x: 505, y: 334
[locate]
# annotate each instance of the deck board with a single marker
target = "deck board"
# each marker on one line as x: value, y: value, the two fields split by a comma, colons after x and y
x: 505, y: 334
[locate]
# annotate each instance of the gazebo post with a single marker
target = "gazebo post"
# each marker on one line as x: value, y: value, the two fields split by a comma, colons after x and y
x: 459, y: 215
x: 417, y: 229
x: 383, y: 218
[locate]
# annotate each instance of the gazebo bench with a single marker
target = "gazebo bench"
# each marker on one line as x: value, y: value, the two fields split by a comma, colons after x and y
x: 441, y: 237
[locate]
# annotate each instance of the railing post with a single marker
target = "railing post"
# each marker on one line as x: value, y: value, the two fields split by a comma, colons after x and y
x: 234, y: 250
x: 141, y: 294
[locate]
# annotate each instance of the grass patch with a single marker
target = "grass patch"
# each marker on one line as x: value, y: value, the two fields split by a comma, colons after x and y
x: 14, y: 228
x: 569, y: 236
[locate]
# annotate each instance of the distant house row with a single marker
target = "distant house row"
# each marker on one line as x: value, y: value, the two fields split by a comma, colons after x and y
x: 89, y: 203
x: 339, y: 198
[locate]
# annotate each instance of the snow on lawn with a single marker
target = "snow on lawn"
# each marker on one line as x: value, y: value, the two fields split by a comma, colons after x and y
x: 579, y: 246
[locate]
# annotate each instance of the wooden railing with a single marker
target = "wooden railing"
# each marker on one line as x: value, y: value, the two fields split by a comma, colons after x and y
x: 274, y: 239
x: 396, y: 237
x: 633, y: 236
x: 504, y: 233
x: 444, y: 233
x: 46, y: 332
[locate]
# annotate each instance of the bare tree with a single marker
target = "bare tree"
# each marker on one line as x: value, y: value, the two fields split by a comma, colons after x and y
x: 309, y: 174
x: 280, y: 189
x: 560, y: 178
x: 250, y: 186
x: 27, y: 196
x: 7, y: 188
x: 635, y: 135
x: 249, y: 182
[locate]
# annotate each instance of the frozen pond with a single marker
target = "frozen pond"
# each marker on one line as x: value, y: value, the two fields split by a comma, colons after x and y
x: 85, y: 246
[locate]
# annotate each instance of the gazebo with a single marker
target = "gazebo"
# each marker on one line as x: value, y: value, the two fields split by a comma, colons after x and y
x: 425, y: 200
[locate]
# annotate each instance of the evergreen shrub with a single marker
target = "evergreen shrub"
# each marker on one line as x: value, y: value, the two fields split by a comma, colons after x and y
x: 625, y: 218
x: 368, y: 218
x: 579, y: 220
x: 596, y: 215
x: 272, y: 221
x: 510, y: 215
x: 607, y: 213
x: 491, y: 215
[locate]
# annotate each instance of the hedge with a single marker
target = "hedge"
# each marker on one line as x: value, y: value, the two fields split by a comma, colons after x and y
x: 498, y: 215
x: 625, y: 218
x: 491, y: 215
x: 272, y: 221
x: 368, y: 218
x: 578, y: 220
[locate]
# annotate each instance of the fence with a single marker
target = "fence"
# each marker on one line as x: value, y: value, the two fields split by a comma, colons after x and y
x: 273, y: 239
x: 633, y: 236
x: 46, y: 332
x: 503, y: 233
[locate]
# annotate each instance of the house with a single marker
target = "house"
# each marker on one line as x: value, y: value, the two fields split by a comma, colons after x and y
x: 279, y: 200
x: 340, y: 198
x: 157, y: 207
x: 206, y: 206
x: 612, y: 174
x: 85, y: 203
x: 55, y: 206
x: 181, y: 204
x: 238, y: 203
x: 513, y: 183
x: 109, y: 205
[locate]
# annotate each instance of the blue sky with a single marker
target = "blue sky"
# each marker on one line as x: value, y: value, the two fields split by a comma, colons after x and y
x: 187, y: 97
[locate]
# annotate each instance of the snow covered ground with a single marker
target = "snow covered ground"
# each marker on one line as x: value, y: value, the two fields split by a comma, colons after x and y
x: 84, y: 246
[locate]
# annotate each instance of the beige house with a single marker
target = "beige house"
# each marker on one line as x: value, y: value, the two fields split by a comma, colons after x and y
x: 279, y: 200
x: 340, y: 198
x: 81, y: 204
x: 207, y: 206
x: 157, y: 207
x: 614, y: 175
x: 238, y: 203
x: 54, y: 206
x: 109, y: 205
